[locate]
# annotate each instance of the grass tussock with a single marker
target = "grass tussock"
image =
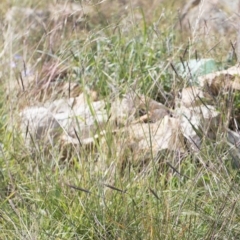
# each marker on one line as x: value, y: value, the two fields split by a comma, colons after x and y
x: 105, y: 192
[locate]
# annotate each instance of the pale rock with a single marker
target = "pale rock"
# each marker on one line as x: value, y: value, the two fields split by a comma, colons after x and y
x: 73, y: 116
x: 233, y: 141
x: 192, y: 96
x: 210, y: 17
x: 123, y: 110
x: 164, y: 134
x: 233, y: 138
x: 39, y: 123
x: 197, y: 121
x: 222, y: 80
x: 83, y: 108
x: 127, y: 109
x: 61, y: 105
x: 78, y: 116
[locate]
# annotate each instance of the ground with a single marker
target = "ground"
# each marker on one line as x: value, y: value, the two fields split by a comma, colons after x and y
x: 106, y: 190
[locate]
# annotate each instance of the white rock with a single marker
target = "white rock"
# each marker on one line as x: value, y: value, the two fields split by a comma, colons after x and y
x: 191, y: 96
x: 164, y: 134
x: 40, y: 123
x: 211, y: 16
x: 86, y: 118
x: 193, y: 119
x: 123, y: 110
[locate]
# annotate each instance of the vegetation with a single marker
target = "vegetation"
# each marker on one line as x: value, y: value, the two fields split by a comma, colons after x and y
x: 101, y: 194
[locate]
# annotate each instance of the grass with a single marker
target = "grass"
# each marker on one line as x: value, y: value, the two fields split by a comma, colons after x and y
x: 104, y: 193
